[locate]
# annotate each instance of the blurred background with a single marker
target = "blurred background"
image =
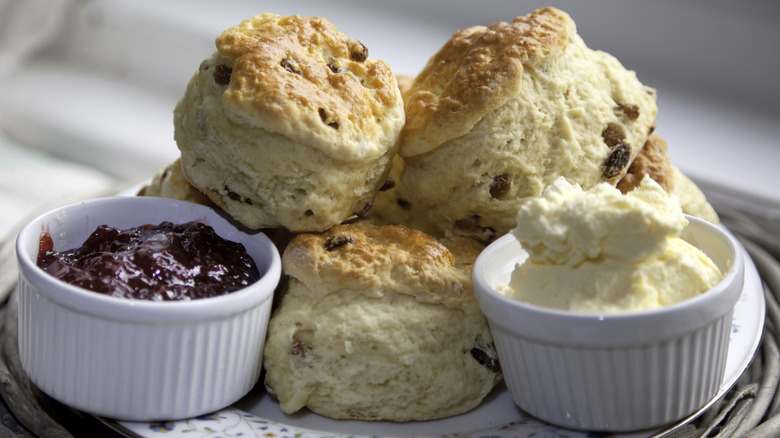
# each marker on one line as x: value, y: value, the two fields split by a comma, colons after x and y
x: 87, y: 87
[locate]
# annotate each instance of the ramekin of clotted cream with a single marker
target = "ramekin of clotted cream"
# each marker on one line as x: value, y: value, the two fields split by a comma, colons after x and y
x: 610, y: 312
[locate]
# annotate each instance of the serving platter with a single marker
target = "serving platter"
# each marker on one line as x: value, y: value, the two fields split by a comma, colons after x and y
x: 258, y: 415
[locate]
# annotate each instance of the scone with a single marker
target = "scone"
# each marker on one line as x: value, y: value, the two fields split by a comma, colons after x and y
x: 404, y: 82
x: 392, y: 205
x: 379, y: 323
x: 169, y: 182
x: 692, y: 199
x: 653, y: 160
x: 499, y: 112
x: 289, y: 123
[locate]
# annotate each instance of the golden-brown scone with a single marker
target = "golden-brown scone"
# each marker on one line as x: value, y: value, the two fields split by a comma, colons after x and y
x: 653, y: 160
x: 404, y: 82
x: 169, y: 182
x: 392, y: 205
x: 289, y: 123
x: 499, y: 112
x: 379, y: 323
x: 692, y: 200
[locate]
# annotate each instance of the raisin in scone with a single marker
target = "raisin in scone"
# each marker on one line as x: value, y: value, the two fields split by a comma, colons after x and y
x: 289, y: 123
x: 653, y: 160
x: 379, y: 323
x: 499, y: 112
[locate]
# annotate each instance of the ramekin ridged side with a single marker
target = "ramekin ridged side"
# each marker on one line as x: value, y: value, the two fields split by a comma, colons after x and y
x: 140, y: 360
x: 614, y: 372
x: 131, y: 378
x: 615, y: 389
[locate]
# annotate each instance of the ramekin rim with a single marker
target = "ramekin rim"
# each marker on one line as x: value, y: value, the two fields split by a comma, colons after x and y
x: 486, y: 292
x: 146, y: 310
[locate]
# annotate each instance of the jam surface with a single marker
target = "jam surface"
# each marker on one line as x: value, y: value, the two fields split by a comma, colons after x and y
x: 164, y: 262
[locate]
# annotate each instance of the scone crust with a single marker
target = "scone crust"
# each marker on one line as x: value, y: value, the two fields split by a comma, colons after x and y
x: 476, y: 70
x: 391, y: 257
x: 302, y: 78
x: 652, y: 160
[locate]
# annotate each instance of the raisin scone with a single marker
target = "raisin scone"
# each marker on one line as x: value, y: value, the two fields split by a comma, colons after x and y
x: 653, y: 160
x: 169, y: 182
x: 289, y: 123
x: 692, y: 199
x: 392, y: 205
x: 500, y: 111
x: 404, y: 82
x: 379, y: 323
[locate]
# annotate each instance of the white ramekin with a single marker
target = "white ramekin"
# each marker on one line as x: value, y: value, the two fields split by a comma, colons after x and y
x: 133, y: 359
x: 613, y: 372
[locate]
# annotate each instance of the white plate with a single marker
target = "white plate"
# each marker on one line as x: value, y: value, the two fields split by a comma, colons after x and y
x: 257, y: 415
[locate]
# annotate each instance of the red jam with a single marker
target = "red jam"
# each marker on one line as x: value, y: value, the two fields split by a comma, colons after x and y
x: 164, y: 262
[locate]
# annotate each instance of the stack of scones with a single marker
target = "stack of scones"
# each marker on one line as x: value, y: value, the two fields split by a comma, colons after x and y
x: 387, y: 187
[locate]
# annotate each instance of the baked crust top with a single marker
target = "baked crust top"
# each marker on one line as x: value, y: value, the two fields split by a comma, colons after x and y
x: 383, y: 259
x: 476, y: 70
x: 301, y: 77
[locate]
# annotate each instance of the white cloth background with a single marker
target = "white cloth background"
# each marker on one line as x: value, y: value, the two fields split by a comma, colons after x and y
x: 31, y: 179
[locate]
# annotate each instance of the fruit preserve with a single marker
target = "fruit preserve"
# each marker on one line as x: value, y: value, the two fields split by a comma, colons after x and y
x: 164, y: 262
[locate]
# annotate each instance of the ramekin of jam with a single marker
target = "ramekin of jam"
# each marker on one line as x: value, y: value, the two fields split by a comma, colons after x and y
x: 146, y: 308
x: 152, y: 262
